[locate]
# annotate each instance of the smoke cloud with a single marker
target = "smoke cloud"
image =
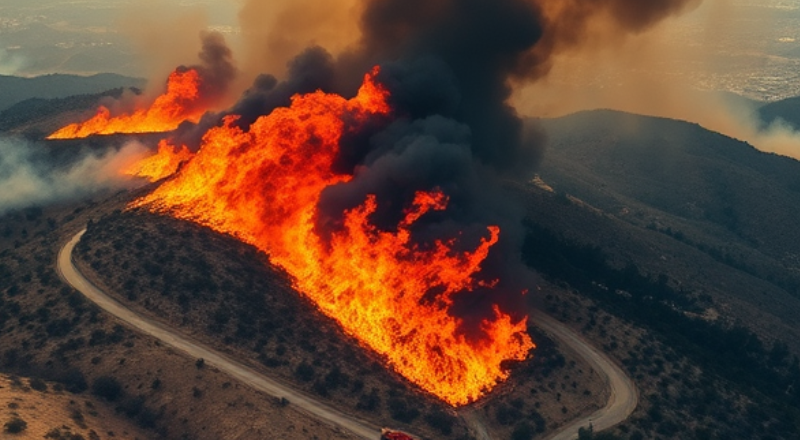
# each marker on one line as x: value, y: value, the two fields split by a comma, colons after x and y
x: 648, y: 75
x: 483, y: 48
x: 165, y: 22
x: 10, y: 63
x: 312, y: 70
x: 30, y: 174
x: 274, y: 32
x: 450, y: 67
x: 216, y: 67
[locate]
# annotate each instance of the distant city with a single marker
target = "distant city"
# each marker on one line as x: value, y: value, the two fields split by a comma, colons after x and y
x: 753, y: 45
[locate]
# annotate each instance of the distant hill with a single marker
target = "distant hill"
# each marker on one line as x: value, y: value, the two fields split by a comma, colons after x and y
x: 37, y: 117
x: 15, y: 89
x: 675, y: 198
x: 787, y: 109
x: 614, y: 159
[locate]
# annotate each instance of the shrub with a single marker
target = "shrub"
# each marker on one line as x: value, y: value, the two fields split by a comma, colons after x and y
x: 335, y: 379
x: 507, y: 415
x: 400, y: 411
x: 74, y: 381
x: 15, y: 425
x: 38, y: 384
x: 131, y: 406
x: 321, y: 388
x: 441, y: 421
x: 148, y: 418
x: 304, y: 372
x: 523, y: 431
x: 107, y: 387
x: 369, y: 402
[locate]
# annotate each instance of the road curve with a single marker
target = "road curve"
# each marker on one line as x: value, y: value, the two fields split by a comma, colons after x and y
x: 623, y: 398
x: 621, y: 402
x: 238, y: 371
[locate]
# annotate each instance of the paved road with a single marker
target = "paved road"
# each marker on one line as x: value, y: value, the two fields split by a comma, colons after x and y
x: 623, y: 398
x: 213, y: 358
x: 621, y: 403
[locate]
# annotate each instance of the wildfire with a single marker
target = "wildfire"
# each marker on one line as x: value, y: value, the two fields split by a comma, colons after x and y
x: 263, y: 186
x: 181, y: 102
x: 160, y: 165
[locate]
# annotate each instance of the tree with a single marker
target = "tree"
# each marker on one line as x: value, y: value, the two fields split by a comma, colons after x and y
x: 586, y: 433
x: 107, y: 387
x: 523, y: 431
x: 15, y: 425
x: 38, y: 384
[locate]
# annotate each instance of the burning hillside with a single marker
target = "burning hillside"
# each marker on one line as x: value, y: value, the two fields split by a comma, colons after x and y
x: 264, y: 187
x: 190, y: 92
x: 176, y: 105
x: 387, y: 209
x: 160, y: 165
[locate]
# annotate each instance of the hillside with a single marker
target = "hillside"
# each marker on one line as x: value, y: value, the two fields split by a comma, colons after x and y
x: 709, y: 192
x: 787, y: 109
x: 51, y: 332
x: 611, y: 159
x: 39, y: 409
x: 36, y: 118
x: 171, y: 270
x: 14, y: 89
x: 669, y: 246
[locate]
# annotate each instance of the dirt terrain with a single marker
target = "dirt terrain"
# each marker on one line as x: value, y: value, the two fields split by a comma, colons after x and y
x: 50, y: 412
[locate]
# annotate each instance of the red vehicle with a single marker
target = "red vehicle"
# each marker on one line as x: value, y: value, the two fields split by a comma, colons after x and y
x: 390, y: 434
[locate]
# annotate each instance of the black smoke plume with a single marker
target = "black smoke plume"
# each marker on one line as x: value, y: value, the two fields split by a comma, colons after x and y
x: 216, y: 67
x: 310, y: 71
x: 450, y: 66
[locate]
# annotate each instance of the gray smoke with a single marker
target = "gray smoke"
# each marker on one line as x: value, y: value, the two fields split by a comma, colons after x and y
x: 32, y: 174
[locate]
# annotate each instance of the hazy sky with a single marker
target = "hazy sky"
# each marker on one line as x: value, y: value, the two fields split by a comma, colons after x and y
x: 751, y: 47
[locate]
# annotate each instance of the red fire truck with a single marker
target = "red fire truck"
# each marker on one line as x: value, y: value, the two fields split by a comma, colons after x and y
x: 390, y: 434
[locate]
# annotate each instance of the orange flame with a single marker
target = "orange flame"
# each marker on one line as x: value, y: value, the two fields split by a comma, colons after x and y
x: 179, y: 103
x: 160, y: 165
x: 263, y: 186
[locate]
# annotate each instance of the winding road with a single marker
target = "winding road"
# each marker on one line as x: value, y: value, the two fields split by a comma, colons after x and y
x: 622, y: 402
x: 213, y: 358
x: 623, y: 398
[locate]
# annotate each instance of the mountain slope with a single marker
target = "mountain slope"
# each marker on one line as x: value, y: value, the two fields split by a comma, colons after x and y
x: 786, y: 109
x: 15, y: 89
x: 725, y: 187
x: 713, y: 214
